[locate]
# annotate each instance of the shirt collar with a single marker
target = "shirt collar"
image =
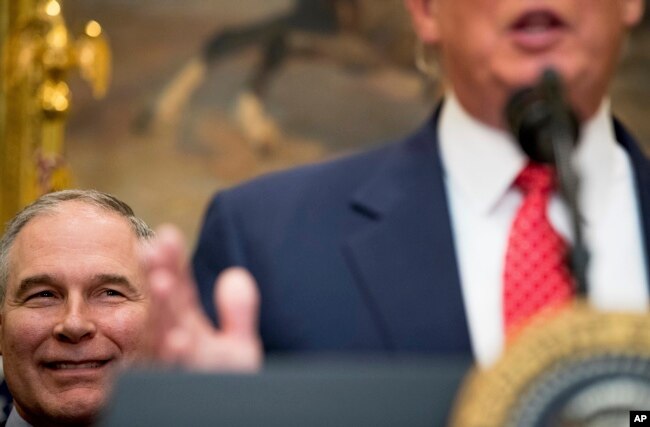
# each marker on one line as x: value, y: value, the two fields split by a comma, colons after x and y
x: 483, y: 162
x: 15, y: 420
x: 479, y: 160
x: 598, y: 158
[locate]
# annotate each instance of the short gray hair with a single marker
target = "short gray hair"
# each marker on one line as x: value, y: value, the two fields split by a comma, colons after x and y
x: 47, y: 204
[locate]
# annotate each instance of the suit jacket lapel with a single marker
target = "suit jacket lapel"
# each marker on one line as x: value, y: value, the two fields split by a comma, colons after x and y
x: 641, y: 167
x: 403, y: 256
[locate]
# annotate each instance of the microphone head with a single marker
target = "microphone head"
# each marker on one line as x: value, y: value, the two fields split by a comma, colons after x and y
x: 534, y: 113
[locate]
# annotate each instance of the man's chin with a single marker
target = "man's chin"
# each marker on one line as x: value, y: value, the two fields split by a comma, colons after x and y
x: 528, y: 72
x: 584, y: 94
x: 79, y: 407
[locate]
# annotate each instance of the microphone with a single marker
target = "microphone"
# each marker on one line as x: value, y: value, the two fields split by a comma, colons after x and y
x: 547, y: 130
x: 538, y: 114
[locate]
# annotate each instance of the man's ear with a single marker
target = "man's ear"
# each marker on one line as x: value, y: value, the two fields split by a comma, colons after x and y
x: 425, y: 19
x: 632, y: 12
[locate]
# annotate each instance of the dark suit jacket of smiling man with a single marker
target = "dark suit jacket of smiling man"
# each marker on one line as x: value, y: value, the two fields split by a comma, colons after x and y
x: 356, y: 254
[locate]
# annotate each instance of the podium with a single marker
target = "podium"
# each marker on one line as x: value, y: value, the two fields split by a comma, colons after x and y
x: 291, y: 391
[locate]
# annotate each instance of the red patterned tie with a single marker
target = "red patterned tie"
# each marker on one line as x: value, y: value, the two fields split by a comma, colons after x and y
x: 535, y: 275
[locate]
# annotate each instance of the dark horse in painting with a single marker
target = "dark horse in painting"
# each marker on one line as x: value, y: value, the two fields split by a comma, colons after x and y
x: 329, y: 28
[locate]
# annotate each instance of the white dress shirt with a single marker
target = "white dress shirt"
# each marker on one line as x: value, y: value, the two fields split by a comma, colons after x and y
x: 15, y: 420
x: 481, y: 163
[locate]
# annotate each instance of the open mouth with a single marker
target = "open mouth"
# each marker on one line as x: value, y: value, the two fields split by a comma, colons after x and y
x: 537, y: 29
x: 538, y: 21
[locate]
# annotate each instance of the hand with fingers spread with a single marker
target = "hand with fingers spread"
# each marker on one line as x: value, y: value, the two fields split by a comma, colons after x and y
x: 180, y: 332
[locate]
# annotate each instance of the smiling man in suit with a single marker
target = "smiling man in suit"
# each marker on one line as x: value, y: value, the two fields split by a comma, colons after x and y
x: 407, y: 248
x: 73, y: 305
x: 75, y: 308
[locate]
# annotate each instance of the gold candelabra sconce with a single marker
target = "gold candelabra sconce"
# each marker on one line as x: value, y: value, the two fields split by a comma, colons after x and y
x: 38, y: 55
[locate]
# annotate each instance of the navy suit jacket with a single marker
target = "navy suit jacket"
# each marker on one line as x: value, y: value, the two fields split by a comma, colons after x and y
x: 355, y: 254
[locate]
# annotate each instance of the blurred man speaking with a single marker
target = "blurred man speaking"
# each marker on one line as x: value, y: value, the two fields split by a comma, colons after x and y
x: 405, y: 248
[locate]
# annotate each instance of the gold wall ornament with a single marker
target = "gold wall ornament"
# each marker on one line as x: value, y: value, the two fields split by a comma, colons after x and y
x: 576, y: 367
x: 38, y: 54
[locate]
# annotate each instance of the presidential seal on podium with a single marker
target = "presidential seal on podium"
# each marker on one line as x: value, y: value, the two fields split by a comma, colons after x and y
x: 579, y: 367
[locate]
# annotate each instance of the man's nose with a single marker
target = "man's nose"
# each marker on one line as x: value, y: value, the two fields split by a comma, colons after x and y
x: 76, y: 323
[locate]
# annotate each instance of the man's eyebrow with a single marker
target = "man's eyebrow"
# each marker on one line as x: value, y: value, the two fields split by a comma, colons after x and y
x: 117, y: 279
x: 29, y: 282
x: 48, y: 280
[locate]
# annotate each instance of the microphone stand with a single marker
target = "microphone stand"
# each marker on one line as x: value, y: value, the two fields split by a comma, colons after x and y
x: 547, y: 130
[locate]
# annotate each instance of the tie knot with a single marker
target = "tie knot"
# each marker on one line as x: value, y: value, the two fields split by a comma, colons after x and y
x: 536, y: 177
